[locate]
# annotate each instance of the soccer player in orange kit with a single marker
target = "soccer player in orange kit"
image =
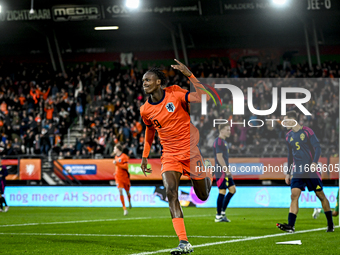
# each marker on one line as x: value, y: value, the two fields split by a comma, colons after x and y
x: 122, y: 175
x: 167, y: 111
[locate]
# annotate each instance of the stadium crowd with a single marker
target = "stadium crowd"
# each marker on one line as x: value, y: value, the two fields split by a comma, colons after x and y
x: 38, y: 106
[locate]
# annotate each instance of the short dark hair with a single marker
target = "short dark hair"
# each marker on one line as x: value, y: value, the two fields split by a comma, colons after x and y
x: 292, y: 115
x: 159, y: 73
x: 221, y: 126
x: 119, y: 147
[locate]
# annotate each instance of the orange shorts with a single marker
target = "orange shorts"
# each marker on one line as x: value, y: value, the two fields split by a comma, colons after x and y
x: 189, y: 164
x: 123, y: 184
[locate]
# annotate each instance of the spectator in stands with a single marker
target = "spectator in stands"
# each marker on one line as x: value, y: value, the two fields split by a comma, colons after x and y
x: 45, y: 144
x: 36, y: 144
x: 64, y: 115
x: 29, y: 142
x: 79, y: 110
x: 110, y: 143
x: 234, y: 145
x: 55, y: 90
x: 14, y: 148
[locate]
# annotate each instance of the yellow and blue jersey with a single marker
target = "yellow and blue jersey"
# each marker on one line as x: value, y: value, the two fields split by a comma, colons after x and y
x: 303, y: 149
x: 223, y: 181
x: 220, y: 146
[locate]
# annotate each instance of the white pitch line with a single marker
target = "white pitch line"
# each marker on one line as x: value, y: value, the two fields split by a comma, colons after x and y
x: 117, y: 235
x: 86, y: 221
x: 237, y: 240
x: 77, y: 221
x: 227, y: 237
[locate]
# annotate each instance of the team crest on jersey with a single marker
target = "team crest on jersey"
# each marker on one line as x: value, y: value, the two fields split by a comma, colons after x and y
x: 170, y: 107
x: 302, y: 137
x: 291, y: 139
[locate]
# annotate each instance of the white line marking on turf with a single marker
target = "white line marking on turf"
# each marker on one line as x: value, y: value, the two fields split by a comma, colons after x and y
x: 77, y: 221
x: 227, y: 237
x: 117, y: 235
x: 85, y: 221
x: 237, y: 240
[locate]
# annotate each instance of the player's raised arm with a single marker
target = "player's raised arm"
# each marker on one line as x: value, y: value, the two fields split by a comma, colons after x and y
x: 195, y: 97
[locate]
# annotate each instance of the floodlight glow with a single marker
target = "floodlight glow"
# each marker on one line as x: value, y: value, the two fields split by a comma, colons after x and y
x: 132, y: 4
x: 107, y: 28
x: 0, y: 8
x: 279, y: 2
x: 31, y: 11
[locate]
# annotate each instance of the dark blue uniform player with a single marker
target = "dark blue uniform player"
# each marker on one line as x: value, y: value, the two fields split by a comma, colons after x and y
x: 304, y: 149
x: 3, y: 174
x: 224, y: 179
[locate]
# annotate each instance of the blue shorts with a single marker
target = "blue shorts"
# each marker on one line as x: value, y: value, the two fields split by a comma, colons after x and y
x: 224, y: 182
x: 313, y: 184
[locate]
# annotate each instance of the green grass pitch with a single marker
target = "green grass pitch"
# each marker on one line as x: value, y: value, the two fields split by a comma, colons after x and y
x: 45, y: 230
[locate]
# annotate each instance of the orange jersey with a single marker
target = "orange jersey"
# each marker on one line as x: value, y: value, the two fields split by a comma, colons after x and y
x: 171, y: 119
x: 22, y: 100
x: 45, y: 95
x: 49, y: 113
x: 122, y: 166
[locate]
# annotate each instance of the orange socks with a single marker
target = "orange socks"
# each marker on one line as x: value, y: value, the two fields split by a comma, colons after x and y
x: 180, y: 229
x: 123, y: 203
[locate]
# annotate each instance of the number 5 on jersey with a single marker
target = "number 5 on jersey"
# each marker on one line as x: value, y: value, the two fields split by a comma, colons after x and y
x: 297, y: 146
